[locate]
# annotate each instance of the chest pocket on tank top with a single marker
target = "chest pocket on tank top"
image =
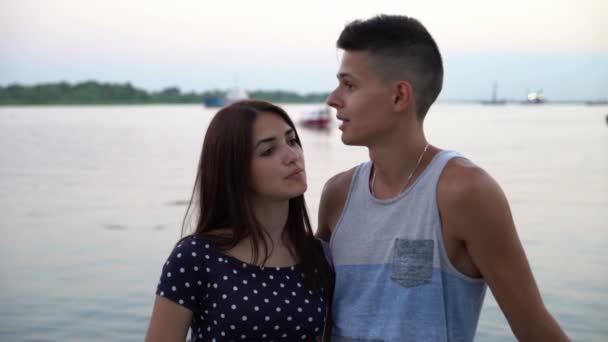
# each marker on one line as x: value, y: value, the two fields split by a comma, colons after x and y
x: 412, y: 262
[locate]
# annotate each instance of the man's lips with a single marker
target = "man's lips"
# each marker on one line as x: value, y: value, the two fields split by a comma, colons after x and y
x: 344, y: 120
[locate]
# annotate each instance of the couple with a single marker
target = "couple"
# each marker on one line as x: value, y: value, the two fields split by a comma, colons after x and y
x: 416, y: 233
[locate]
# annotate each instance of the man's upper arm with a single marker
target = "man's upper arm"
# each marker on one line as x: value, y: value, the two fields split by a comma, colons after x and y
x: 476, y: 209
x: 332, y: 203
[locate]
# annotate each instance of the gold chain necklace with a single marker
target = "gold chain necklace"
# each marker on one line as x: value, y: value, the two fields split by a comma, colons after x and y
x: 409, y: 178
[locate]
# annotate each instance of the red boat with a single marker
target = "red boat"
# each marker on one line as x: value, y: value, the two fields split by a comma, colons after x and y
x: 319, y: 119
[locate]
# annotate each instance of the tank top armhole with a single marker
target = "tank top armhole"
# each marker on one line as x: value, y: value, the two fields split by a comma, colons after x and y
x: 443, y: 255
x: 351, y: 187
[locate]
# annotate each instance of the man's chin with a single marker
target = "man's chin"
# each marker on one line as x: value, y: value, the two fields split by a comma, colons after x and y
x: 349, y: 141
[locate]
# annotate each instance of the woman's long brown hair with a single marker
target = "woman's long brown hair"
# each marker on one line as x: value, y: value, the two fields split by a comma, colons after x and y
x: 221, y: 192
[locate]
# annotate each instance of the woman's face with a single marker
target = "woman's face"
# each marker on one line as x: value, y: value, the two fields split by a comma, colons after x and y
x: 277, y: 165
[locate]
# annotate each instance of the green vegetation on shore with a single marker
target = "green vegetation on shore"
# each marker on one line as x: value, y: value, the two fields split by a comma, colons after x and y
x: 92, y: 92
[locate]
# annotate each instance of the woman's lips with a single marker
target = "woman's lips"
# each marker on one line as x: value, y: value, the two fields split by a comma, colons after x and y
x: 296, y: 173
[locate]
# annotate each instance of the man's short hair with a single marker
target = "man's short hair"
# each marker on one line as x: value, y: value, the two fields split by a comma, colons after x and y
x: 401, y: 48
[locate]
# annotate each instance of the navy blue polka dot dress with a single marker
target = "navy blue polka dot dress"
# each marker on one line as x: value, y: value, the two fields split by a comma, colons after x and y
x: 234, y: 301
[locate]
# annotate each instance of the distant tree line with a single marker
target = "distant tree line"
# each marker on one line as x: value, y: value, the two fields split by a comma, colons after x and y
x: 92, y: 92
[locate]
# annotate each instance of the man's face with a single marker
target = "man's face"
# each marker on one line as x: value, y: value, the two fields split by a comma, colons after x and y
x: 362, y: 100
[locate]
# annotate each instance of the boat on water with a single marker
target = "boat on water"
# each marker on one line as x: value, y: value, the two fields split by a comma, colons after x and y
x: 231, y: 96
x: 494, y: 101
x: 535, y: 97
x: 317, y: 119
x: 214, y: 102
x: 236, y: 94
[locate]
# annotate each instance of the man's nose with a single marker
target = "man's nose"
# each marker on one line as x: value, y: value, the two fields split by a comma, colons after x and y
x: 333, y: 100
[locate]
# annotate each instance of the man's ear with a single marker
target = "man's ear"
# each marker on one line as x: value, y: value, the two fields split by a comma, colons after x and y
x: 404, y: 95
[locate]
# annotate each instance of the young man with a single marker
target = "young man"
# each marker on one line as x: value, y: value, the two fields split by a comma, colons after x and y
x: 417, y: 232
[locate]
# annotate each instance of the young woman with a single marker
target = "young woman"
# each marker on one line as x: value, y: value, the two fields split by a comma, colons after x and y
x: 252, y: 270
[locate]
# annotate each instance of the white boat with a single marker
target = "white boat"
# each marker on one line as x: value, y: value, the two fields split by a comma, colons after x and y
x: 535, y: 97
x: 236, y: 94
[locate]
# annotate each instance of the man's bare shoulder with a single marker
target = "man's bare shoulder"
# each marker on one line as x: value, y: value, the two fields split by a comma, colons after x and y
x: 332, y: 203
x: 461, y: 178
x: 470, y: 201
x: 339, y: 182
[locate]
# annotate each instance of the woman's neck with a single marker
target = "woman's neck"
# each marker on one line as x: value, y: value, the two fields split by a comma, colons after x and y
x: 273, y: 217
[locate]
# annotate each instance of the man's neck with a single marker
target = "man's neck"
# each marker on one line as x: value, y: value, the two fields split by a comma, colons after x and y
x: 395, y: 159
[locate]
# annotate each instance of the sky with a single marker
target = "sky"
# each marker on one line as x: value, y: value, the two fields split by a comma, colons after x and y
x: 559, y: 46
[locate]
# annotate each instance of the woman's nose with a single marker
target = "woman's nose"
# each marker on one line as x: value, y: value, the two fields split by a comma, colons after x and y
x: 292, y: 154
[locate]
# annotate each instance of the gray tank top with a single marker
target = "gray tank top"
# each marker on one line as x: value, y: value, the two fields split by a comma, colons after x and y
x: 394, y: 281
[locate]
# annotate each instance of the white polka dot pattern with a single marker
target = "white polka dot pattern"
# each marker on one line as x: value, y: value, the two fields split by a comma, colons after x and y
x: 231, y: 300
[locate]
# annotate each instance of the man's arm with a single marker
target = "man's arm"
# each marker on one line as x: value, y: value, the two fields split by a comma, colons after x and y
x: 474, y: 208
x: 332, y: 203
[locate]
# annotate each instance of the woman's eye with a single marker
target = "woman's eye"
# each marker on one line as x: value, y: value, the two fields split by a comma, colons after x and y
x: 292, y: 142
x: 267, y: 152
